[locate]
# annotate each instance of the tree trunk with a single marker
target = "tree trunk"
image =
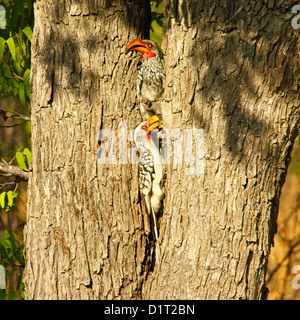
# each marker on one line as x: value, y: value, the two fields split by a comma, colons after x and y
x: 84, y: 236
x: 232, y: 70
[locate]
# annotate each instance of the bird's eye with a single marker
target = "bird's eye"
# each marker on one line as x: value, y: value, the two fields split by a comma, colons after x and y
x: 144, y: 127
x: 149, y: 45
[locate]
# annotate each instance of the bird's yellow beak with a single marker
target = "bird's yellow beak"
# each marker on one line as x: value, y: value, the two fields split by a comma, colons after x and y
x: 137, y: 45
x: 153, y: 122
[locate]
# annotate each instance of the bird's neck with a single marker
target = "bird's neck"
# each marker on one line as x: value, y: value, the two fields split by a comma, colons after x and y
x: 148, y: 55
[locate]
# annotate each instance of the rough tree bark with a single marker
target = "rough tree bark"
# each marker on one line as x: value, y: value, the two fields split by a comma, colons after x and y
x: 232, y: 70
x: 84, y: 236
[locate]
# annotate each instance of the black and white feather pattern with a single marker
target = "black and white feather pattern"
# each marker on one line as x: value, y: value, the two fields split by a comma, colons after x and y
x: 150, y: 175
x: 146, y: 171
x: 150, y: 79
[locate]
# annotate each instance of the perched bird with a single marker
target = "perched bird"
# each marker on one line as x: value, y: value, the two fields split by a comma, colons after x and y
x: 151, y: 74
x: 150, y: 169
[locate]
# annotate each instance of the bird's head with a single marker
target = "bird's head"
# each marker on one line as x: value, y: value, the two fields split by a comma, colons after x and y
x: 143, y: 130
x: 149, y: 48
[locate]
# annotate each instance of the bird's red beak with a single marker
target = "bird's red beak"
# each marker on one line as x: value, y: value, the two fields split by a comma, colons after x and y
x: 153, y: 122
x: 137, y: 45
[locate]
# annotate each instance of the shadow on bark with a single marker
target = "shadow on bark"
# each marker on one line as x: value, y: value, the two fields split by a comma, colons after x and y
x: 240, y: 28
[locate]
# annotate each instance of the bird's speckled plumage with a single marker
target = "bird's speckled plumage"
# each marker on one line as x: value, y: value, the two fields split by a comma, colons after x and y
x: 150, y: 77
x: 150, y: 171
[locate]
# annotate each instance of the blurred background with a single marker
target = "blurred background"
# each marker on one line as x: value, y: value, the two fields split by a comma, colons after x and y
x: 15, y: 135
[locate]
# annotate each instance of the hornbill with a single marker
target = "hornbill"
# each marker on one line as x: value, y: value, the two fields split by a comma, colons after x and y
x: 151, y: 75
x: 150, y: 170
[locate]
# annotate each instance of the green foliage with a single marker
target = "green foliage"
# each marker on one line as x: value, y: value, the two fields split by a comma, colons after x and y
x: 156, y: 14
x: 155, y: 3
x: 28, y: 32
x: 23, y: 159
x: 19, y: 14
x: 11, y: 257
x: 15, y: 57
x: 15, y: 66
x: 157, y: 20
x: 11, y: 250
x: 2, y: 47
x: 11, y: 46
x: 8, y: 200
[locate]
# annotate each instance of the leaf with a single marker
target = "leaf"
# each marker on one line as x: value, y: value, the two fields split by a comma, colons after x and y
x: 8, y: 250
x: 22, y: 93
x: 2, y: 47
x: 11, y: 197
x: 28, y: 90
x: 26, y: 76
x: 15, y: 237
x: 21, y: 161
x: 2, y: 200
x: 28, y: 32
x: 19, y: 248
x: 12, y: 244
x: 11, y: 46
x: 27, y: 154
x: 11, y: 249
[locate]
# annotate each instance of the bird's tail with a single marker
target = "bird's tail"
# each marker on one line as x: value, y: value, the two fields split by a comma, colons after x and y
x: 152, y: 212
x: 157, y: 249
x: 154, y: 224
